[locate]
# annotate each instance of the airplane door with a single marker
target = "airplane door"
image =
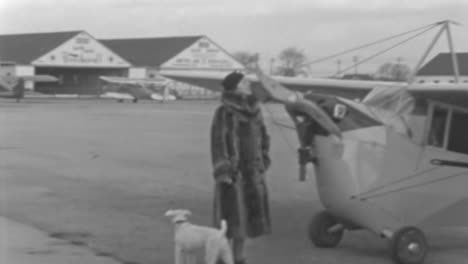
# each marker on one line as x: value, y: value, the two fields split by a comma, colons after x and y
x: 443, y: 168
x: 439, y: 180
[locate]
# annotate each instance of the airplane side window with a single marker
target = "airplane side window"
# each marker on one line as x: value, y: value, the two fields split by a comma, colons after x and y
x: 437, y: 131
x: 458, y: 136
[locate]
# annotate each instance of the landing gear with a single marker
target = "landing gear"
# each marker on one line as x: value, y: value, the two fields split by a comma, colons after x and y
x: 120, y: 100
x: 325, y: 231
x: 135, y: 100
x: 408, y: 246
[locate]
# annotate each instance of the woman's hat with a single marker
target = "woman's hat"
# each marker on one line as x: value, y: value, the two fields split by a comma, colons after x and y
x: 231, y: 81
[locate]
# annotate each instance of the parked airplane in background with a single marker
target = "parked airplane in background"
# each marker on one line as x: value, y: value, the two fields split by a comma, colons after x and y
x: 134, y: 89
x: 14, y: 86
x: 392, y: 162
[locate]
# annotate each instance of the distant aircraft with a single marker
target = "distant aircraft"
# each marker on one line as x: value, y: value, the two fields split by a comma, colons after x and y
x: 13, y: 87
x: 392, y: 162
x: 134, y: 89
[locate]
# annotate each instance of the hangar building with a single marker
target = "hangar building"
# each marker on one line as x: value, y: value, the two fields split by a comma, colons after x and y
x: 440, y: 69
x: 77, y: 59
x: 149, y: 55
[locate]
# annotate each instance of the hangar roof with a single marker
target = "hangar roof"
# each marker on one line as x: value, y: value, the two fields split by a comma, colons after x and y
x: 442, y: 65
x: 136, y: 50
x: 25, y: 48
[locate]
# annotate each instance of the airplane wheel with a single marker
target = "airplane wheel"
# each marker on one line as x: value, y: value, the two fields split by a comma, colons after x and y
x: 120, y: 100
x: 135, y: 100
x: 408, y: 246
x: 319, y: 231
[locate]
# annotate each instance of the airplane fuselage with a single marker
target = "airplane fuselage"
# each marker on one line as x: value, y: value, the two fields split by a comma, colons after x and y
x: 376, y: 174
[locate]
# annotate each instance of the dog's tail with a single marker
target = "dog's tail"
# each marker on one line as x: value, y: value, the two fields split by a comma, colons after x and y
x: 223, y: 229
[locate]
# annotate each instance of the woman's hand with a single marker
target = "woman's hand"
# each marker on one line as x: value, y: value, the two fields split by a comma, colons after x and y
x: 226, y: 179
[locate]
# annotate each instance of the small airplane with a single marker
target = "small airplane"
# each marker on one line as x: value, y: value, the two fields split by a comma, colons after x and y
x: 134, y: 89
x: 394, y: 161
x: 13, y: 87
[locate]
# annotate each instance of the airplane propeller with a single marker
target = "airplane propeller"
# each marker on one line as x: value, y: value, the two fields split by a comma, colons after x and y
x: 273, y: 90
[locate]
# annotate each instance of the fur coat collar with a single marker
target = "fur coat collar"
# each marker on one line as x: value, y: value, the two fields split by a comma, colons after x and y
x: 245, y: 106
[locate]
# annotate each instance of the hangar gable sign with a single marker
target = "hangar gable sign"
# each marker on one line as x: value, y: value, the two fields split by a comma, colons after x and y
x: 82, y: 51
x: 203, y: 54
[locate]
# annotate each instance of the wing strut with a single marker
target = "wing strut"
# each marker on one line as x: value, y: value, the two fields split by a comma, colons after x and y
x: 445, y: 27
x: 452, y: 52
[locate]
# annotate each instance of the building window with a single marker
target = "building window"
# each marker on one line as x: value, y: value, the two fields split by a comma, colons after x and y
x: 436, y: 81
x: 52, y: 57
x: 421, y: 81
x: 82, y: 40
x: 203, y: 44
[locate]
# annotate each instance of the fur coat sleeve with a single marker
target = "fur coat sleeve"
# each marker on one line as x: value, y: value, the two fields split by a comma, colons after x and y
x: 221, y: 153
x: 265, y: 145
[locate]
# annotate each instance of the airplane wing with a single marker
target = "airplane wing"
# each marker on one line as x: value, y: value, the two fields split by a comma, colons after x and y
x: 344, y: 88
x: 125, y: 80
x: 128, y: 86
x: 451, y: 93
x: 8, y: 82
x: 39, y: 78
x: 140, y: 88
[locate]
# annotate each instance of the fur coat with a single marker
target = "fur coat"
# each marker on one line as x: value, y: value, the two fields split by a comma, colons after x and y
x: 240, y: 150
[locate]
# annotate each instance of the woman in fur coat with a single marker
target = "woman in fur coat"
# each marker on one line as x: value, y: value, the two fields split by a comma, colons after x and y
x: 240, y: 153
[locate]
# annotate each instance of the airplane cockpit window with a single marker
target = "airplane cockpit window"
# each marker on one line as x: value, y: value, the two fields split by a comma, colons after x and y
x: 437, y: 131
x: 448, y: 129
x: 458, y: 136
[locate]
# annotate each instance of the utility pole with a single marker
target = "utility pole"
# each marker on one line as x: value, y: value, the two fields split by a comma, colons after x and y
x: 355, y: 61
x: 272, y: 62
x: 338, y: 67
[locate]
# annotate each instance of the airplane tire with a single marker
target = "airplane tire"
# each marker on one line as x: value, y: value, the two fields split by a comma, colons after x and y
x: 408, y: 246
x: 319, y: 232
x: 135, y: 100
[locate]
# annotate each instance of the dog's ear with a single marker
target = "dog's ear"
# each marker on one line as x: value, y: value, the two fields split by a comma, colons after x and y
x: 169, y: 213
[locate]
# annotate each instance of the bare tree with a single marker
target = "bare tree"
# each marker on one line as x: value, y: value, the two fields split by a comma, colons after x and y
x: 248, y: 59
x: 292, y: 62
x: 391, y: 71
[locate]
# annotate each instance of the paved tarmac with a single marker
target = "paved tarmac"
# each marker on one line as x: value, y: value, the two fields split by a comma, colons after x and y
x: 100, y: 175
x: 23, y: 244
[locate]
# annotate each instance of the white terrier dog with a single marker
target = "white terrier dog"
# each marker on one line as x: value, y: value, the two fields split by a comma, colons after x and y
x: 190, y: 239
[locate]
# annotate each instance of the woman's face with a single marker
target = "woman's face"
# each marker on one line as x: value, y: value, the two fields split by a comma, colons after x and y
x: 244, y: 87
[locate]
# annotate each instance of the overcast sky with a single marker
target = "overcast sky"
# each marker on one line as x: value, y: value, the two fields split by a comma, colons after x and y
x: 319, y: 27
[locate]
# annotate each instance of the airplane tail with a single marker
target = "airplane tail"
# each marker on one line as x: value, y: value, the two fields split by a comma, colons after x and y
x: 223, y: 229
